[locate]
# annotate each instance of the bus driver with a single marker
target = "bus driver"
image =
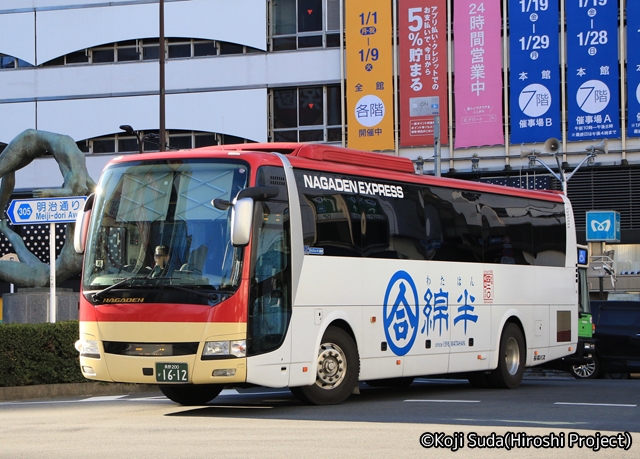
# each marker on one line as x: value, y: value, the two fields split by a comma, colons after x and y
x: 161, y: 257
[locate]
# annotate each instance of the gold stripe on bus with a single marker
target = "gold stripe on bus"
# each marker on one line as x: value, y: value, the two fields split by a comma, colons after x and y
x: 164, y: 332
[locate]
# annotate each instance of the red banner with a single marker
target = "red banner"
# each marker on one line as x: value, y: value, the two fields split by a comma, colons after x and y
x: 422, y: 26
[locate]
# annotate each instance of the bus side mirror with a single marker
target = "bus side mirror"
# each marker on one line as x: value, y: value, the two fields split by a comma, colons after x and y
x: 242, y: 211
x: 241, y: 222
x: 82, y: 225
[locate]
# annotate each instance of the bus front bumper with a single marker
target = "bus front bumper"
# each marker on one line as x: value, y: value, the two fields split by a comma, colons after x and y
x: 164, y: 370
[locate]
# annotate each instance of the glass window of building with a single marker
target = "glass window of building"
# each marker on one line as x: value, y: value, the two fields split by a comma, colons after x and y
x: 179, y: 48
x: 150, y: 49
x: 10, y: 62
x: 305, y: 24
x: 204, y: 48
x: 127, y: 51
x: 308, y: 114
x: 102, y: 55
x: 79, y: 57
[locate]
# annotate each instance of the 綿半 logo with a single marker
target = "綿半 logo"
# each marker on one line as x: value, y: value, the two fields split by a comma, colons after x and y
x: 401, y: 313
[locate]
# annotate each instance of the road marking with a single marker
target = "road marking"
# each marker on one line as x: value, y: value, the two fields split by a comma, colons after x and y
x: 104, y: 398
x: 596, y: 404
x: 445, y: 401
x: 520, y: 421
x: 160, y: 398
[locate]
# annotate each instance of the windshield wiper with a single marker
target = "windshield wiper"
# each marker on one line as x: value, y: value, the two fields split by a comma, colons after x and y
x: 99, y: 295
x: 214, y: 297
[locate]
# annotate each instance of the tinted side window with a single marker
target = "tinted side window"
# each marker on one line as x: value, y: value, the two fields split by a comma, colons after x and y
x: 356, y: 216
x: 506, y: 227
x: 454, y: 229
x: 330, y: 224
x: 393, y: 227
x: 549, y: 233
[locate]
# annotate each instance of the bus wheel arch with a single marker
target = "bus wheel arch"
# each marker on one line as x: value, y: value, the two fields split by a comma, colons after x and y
x: 337, y: 367
x: 512, y: 356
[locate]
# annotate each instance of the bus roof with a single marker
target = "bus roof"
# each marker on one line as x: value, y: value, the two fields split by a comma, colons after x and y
x: 367, y: 163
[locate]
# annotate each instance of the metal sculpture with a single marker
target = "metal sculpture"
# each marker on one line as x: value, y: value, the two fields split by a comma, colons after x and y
x: 21, y: 151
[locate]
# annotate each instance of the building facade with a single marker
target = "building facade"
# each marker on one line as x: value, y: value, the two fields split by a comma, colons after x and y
x: 281, y: 70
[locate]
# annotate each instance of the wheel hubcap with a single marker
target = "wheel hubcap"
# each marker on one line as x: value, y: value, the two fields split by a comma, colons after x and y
x: 332, y: 366
x: 585, y: 370
x: 512, y: 356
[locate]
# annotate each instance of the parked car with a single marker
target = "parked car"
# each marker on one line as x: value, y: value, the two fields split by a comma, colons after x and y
x: 617, y: 341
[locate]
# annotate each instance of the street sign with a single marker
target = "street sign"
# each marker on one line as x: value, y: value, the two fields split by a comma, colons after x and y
x: 45, y: 210
x: 603, y: 226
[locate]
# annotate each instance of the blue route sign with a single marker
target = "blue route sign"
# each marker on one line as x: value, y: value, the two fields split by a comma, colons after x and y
x: 45, y: 210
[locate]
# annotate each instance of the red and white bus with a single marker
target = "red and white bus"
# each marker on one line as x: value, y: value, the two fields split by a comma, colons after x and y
x: 315, y: 267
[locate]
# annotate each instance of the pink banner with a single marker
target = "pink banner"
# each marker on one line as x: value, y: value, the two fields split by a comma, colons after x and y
x: 478, y: 73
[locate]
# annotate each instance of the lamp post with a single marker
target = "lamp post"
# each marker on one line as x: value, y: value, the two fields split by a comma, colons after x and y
x: 163, y: 141
x: 561, y: 176
x: 129, y: 130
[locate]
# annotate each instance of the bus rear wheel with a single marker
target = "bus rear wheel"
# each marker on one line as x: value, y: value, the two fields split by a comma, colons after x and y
x: 511, y: 359
x: 191, y: 394
x: 337, y: 370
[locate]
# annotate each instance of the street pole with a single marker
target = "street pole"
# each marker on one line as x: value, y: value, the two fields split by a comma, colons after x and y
x: 436, y: 145
x: 52, y: 273
x: 162, y: 133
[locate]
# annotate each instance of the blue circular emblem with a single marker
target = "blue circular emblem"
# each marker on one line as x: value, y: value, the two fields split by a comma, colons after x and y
x: 401, y: 313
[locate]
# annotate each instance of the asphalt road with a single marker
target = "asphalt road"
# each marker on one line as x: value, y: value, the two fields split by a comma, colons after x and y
x: 445, y: 415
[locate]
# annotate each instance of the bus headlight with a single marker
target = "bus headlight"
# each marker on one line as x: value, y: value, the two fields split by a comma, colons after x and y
x: 224, y: 348
x: 88, y: 348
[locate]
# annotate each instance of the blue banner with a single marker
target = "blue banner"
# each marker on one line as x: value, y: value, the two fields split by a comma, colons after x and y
x: 592, y: 69
x: 633, y: 67
x: 534, y: 70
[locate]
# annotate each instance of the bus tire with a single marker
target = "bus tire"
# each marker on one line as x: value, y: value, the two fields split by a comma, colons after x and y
x: 191, y: 394
x: 586, y: 370
x: 511, y: 359
x: 338, y: 368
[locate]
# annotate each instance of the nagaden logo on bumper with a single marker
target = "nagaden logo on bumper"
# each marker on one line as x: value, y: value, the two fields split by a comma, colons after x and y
x: 401, y: 313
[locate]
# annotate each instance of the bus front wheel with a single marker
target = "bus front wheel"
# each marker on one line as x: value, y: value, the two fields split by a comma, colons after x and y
x: 511, y: 359
x: 191, y: 394
x: 338, y: 367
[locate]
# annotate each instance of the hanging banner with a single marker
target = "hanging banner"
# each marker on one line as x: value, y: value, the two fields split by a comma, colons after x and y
x: 422, y: 30
x: 534, y: 67
x: 633, y: 67
x: 369, y: 61
x: 478, y: 73
x: 592, y: 69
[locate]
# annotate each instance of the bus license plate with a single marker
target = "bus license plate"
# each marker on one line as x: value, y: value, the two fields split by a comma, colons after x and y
x: 172, y: 372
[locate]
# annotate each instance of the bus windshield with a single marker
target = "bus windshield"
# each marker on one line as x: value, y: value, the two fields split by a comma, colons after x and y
x: 154, y: 223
